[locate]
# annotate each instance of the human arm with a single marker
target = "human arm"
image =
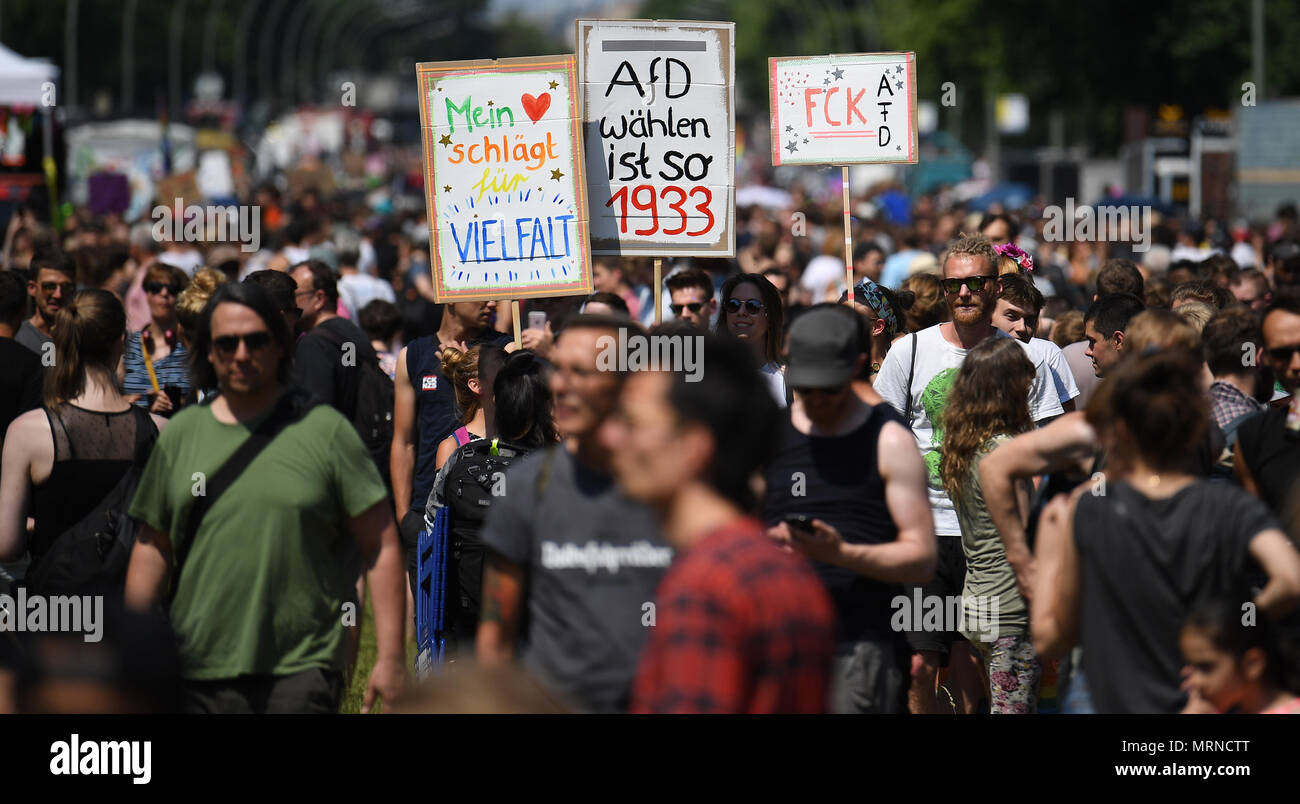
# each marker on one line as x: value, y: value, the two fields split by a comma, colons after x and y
x: 375, y: 534
x: 445, y: 448
x: 20, y: 445
x: 401, y: 458
x: 503, y: 585
x: 911, y: 557
x: 1065, y: 444
x: 149, y: 570
x: 1054, y: 617
x: 1277, y: 556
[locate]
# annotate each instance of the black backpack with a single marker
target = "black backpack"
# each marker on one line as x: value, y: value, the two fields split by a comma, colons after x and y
x: 372, y: 410
x: 91, y: 557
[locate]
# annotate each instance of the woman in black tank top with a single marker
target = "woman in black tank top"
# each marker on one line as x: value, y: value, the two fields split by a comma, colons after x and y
x: 61, y: 460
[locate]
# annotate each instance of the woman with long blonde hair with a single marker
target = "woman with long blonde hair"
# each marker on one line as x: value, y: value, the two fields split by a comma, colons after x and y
x: 986, y: 407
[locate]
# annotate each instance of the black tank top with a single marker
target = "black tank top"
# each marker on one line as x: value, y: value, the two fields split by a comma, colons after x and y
x: 837, y: 479
x: 92, y: 450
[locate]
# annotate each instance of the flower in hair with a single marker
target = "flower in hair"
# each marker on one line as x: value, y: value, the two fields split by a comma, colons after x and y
x: 1013, y: 251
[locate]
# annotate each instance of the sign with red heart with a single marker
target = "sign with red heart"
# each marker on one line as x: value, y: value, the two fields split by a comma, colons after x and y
x: 504, y: 178
x: 535, y: 107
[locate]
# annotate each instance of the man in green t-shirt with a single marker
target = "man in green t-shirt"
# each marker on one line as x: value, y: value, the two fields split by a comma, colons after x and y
x: 265, y: 583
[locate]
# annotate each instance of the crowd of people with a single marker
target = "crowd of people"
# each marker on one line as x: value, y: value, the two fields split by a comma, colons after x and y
x: 997, y: 473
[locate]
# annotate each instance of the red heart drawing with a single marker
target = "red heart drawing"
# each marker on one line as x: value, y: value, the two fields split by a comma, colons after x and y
x: 536, y: 107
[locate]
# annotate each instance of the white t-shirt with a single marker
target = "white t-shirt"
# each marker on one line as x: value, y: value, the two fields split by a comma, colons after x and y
x: 1041, y: 350
x: 937, y: 362
x: 775, y: 376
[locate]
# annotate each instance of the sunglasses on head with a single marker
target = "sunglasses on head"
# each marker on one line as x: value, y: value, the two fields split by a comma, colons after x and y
x: 752, y: 306
x: 694, y: 307
x: 229, y: 344
x: 1283, y: 354
x: 975, y: 283
x: 68, y: 288
x: 154, y: 288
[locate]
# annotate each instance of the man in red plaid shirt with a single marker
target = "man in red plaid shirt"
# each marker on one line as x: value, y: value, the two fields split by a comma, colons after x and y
x: 738, y: 624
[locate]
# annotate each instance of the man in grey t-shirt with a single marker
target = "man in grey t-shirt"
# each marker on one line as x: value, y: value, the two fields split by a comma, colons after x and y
x: 569, y: 549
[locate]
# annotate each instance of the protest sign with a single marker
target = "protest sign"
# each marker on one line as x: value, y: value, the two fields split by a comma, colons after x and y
x: 660, y: 136
x: 504, y: 180
x: 843, y: 109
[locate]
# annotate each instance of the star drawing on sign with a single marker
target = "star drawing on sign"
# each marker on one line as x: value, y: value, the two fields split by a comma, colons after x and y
x: 805, y: 140
x: 898, y: 148
x: 446, y: 188
x: 446, y: 140
x: 839, y: 73
x: 898, y: 85
x: 489, y: 103
x: 827, y: 81
x: 556, y: 174
x: 898, y: 69
x: 789, y: 128
x: 791, y: 146
x: 555, y: 85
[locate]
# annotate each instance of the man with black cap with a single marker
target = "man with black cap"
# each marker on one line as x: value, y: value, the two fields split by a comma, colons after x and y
x: 847, y: 488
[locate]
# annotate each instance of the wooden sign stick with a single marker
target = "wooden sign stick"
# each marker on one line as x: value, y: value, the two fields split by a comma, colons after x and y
x: 848, y: 234
x: 514, y: 311
x: 659, y: 291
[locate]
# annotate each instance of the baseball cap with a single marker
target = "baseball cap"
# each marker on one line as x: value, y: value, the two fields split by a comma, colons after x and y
x: 824, y: 347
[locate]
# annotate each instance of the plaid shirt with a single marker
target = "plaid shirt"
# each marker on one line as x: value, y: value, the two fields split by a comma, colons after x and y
x: 1228, y: 403
x: 742, y: 626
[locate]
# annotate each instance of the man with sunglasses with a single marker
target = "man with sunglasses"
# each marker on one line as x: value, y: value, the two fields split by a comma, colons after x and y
x: 1267, y: 454
x: 915, y: 379
x: 692, y: 297
x: 259, y: 587
x: 846, y: 487
x: 52, y: 284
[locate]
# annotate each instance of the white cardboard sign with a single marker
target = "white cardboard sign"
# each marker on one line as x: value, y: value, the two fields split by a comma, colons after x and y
x: 660, y: 136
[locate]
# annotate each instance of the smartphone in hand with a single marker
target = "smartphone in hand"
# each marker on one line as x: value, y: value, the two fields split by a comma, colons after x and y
x: 799, y: 524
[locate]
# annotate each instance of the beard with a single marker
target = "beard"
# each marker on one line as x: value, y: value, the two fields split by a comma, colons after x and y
x: 971, y: 315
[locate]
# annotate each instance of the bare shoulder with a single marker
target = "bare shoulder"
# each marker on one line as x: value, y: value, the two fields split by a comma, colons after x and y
x: 29, y: 428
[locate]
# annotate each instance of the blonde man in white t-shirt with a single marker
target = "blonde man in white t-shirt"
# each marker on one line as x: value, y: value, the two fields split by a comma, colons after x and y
x: 915, y: 378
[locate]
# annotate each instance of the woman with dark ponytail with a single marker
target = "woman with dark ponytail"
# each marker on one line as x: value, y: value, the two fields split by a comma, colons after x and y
x: 61, y: 460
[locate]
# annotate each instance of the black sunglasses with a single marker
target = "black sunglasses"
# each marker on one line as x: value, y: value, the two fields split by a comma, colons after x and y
x: 68, y: 288
x: 1283, y: 354
x: 255, y: 341
x: 975, y: 283
x: 154, y: 288
x: 752, y: 306
x: 694, y: 307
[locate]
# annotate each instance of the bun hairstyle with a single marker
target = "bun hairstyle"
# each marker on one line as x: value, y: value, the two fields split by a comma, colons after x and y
x: 1155, y: 397
x: 88, y: 334
x: 461, y: 367
x: 190, y: 304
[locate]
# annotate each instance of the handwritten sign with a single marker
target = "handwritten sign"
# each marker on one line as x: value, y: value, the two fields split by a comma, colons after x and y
x: 660, y: 136
x: 843, y: 110
x: 504, y: 178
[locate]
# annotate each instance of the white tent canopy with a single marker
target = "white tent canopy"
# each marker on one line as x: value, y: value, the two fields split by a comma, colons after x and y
x: 21, y: 79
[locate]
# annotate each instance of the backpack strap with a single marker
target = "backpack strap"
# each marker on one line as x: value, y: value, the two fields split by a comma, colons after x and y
x: 462, y: 436
x: 911, y: 374
x: 288, y: 409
